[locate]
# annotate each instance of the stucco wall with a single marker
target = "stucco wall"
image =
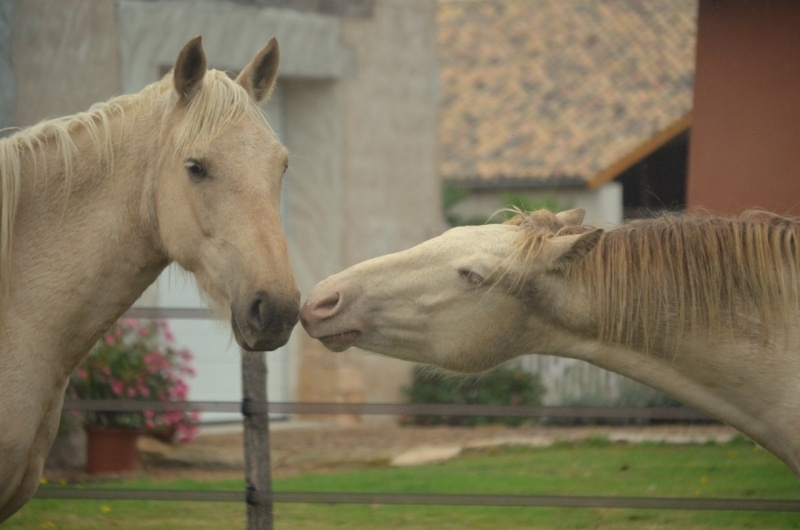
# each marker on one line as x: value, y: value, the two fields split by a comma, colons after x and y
x: 151, y: 33
x: 65, y: 57
x: 392, y: 198
x: 386, y: 197
x: 8, y: 78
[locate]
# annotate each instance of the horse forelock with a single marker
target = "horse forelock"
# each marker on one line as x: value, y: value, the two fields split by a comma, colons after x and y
x: 535, y: 229
x: 218, y: 104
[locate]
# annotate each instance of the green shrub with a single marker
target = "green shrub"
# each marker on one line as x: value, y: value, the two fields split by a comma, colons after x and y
x: 506, y: 385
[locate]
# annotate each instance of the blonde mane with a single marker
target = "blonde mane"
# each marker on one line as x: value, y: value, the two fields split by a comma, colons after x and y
x: 218, y: 104
x: 665, y: 277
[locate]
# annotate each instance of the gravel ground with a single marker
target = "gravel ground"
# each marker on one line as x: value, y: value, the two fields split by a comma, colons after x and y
x: 298, y: 449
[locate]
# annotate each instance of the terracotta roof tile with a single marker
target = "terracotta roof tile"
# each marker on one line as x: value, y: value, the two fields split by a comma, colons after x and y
x: 536, y: 88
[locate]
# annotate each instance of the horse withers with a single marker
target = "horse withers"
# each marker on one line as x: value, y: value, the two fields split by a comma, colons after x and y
x: 94, y: 206
x: 702, y: 309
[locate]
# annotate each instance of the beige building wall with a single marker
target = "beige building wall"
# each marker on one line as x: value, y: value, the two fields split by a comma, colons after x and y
x: 8, y: 78
x: 387, y: 196
x: 603, y: 206
x: 65, y: 57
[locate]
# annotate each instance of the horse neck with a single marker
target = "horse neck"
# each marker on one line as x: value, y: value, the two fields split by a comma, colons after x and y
x: 749, y: 385
x: 84, y: 247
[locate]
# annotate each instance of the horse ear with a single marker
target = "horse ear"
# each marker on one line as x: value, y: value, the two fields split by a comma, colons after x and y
x: 572, y: 249
x: 190, y: 67
x: 258, y: 77
x: 571, y: 217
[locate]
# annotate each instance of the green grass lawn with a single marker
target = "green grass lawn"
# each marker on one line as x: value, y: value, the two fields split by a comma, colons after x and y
x: 735, y: 470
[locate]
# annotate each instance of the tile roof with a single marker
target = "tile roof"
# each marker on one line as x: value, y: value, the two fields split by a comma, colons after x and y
x: 558, y: 90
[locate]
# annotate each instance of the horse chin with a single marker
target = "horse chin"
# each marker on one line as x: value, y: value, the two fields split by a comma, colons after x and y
x: 340, y: 342
x: 239, y: 336
x: 269, y: 342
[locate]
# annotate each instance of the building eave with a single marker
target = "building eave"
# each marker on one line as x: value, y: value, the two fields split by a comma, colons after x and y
x: 644, y: 150
x: 501, y: 183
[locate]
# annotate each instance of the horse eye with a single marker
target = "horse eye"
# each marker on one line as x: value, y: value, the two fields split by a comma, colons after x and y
x: 195, y: 169
x: 471, y: 277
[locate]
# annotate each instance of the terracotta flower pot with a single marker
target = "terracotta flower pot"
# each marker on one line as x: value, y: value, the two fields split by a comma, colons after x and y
x: 111, y: 450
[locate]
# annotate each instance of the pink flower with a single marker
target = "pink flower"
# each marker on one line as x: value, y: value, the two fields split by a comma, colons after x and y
x: 186, y: 432
x: 153, y: 362
x: 179, y: 390
x: 172, y: 417
x: 135, y: 360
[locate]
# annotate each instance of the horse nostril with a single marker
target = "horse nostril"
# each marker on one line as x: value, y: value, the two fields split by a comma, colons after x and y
x: 258, y: 312
x: 328, y: 306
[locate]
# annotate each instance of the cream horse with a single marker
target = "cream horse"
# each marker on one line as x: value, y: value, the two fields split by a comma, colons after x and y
x: 705, y: 310
x: 96, y: 205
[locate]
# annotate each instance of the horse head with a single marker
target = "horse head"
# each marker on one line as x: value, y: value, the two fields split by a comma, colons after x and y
x: 217, y: 194
x: 459, y: 301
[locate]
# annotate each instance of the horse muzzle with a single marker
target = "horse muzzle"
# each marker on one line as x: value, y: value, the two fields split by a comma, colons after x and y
x: 325, y: 317
x: 263, y: 323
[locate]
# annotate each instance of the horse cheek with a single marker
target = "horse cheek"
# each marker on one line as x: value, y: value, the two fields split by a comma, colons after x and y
x: 180, y: 223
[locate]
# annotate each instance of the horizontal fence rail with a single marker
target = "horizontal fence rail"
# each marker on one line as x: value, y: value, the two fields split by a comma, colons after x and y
x: 445, y: 499
x: 393, y: 409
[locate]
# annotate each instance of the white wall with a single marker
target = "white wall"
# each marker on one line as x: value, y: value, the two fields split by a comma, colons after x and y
x: 603, y: 206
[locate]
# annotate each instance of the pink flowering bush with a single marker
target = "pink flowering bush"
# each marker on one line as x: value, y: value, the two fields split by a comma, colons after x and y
x: 136, y: 361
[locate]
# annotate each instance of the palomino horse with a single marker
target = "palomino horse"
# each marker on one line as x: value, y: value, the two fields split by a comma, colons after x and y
x: 705, y: 310
x: 96, y: 205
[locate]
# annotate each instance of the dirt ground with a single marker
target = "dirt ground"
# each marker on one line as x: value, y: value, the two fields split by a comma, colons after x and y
x: 301, y: 448
x: 327, y: 448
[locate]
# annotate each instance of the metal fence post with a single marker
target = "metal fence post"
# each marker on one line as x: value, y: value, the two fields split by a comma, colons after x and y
x: 256, y: 441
